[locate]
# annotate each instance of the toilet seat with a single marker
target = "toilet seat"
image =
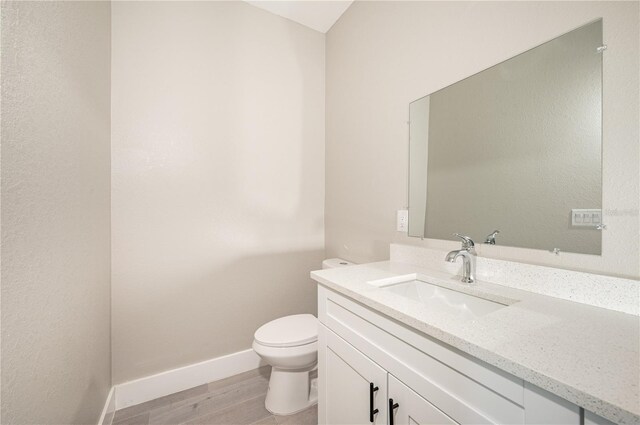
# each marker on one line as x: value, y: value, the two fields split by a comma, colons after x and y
x: 288, y: 331
x: 300, y: 357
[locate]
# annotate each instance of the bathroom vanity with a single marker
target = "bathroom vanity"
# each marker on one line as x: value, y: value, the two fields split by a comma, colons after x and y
x: 404, y: 344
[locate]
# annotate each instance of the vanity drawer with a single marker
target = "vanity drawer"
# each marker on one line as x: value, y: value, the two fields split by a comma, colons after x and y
x: 466, y: 389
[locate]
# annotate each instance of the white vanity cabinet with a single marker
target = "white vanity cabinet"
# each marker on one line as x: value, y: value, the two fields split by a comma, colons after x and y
x: 369, y: 362
x: 406, y: 407
x: 347, y: 403
x: 356, y: 392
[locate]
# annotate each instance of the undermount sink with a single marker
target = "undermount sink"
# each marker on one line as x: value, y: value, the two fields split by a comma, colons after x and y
x: 439, y: 299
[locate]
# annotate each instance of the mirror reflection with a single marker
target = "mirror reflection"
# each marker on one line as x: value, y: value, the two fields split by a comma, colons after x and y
x: 512, y: 155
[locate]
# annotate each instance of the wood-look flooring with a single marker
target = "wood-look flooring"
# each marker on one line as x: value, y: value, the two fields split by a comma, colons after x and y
x: 238, y: 400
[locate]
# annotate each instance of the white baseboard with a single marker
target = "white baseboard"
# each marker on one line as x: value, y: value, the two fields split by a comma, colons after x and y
x: 106, y: 418
x: 169, y: 382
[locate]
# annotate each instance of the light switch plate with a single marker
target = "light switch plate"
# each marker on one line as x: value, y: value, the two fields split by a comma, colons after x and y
x: 581, y: 217
x: 402, y: 221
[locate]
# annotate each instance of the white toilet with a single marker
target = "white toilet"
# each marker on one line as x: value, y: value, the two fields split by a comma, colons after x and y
x: 290, y: 345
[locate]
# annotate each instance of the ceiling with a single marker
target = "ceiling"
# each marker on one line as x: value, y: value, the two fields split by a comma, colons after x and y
x: 316, y: 14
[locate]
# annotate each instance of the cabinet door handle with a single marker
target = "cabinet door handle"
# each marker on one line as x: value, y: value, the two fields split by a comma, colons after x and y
x: 372, y: 411
x: 392, y: 406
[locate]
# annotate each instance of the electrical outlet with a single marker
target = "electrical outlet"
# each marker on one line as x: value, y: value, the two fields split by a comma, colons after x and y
x: 402, y: 221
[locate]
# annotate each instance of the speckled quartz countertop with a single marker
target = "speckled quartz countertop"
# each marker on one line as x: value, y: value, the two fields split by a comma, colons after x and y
x: 587, y: 355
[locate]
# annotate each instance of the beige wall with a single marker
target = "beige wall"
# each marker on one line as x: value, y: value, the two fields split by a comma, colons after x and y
x: 56, y: 364
x: 218, y: 178
x: 383, y: 55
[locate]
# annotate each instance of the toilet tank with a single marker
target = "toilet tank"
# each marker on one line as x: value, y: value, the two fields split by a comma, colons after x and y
x: 332, y: 263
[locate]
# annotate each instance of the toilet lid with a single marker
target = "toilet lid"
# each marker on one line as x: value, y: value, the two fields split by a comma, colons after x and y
x: 288, y: 331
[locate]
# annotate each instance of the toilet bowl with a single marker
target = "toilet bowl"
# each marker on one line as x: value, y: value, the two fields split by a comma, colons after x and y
x: 290, y: 345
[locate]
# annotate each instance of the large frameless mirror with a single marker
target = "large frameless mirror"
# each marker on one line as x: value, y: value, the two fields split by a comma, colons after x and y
x: 516, y: 148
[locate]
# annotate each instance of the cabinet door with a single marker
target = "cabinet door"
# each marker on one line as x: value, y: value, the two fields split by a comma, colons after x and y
x: 542, y: 407
x: 349, y: 375
x: 593, y: 419
x: 411, y: 408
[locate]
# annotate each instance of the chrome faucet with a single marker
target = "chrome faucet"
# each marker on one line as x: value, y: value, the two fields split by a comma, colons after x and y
x: 468, y: 254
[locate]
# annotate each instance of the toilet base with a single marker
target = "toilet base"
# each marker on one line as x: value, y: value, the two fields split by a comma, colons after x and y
x: 291, y: 391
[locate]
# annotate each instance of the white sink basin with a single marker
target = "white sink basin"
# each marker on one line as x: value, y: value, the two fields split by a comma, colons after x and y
x: 443, y: 300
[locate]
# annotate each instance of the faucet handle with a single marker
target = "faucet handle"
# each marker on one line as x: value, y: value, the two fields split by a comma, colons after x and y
x: 467, y: 242
x: 491, y: 239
